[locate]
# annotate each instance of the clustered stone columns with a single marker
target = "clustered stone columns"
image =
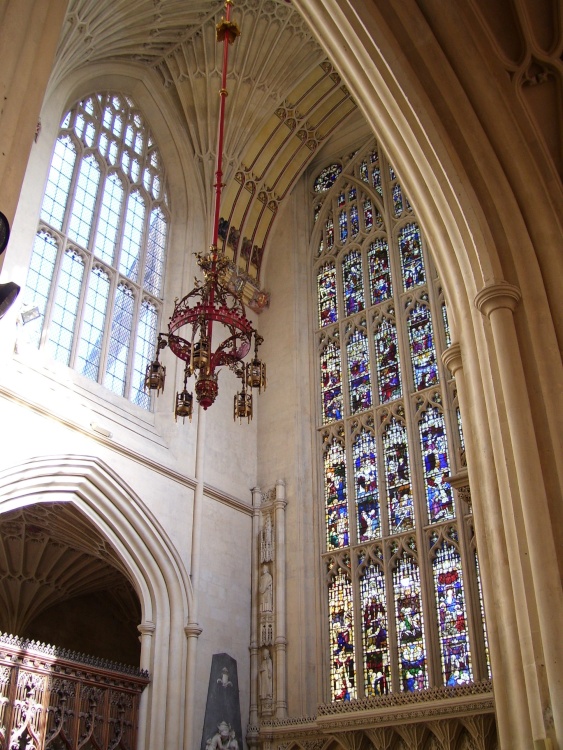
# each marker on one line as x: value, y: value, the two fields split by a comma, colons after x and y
x: 268, y: 647
x: 515, y: 538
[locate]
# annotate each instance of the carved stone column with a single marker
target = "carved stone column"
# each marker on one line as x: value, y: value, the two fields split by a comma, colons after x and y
x: 146, y: 629
x: 254, y: 624
x: 280, y: 614
x: 530, y: 543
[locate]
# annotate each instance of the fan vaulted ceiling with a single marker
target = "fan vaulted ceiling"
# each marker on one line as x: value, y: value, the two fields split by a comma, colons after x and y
x: 285, y: 98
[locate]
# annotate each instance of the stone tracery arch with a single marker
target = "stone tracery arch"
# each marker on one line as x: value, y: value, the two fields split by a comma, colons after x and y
x: 155, y: 569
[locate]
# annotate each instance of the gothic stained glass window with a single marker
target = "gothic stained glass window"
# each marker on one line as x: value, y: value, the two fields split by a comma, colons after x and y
x: 105, y: 211
x: 331, y: 382
x: 377, y: 662
x: 397, y: 200
x: 337, y: 525
x: 397, y: 478
x: 423, y: 352
x: 452, y: 615
x: 354, y: 221
x: 434, y: 448
x: 343, y: 224
x: 410, y: 625
x: 387, y: 361
x: 412, y: 262
x: 379, y: 271
x: 341, y: 618
x: 389, y: 452
x: 352, y: 277
x: 327, y: 178
x: 326, y: 289
x: 364, y: 456
x: 359, y: 381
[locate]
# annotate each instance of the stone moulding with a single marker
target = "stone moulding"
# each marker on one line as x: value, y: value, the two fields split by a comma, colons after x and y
x: 386, y: 711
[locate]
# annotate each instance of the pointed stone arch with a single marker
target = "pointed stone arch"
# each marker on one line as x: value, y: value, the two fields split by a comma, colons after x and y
x: 153, y: 565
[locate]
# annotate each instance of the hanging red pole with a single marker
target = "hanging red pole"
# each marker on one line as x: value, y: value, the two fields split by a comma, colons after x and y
x: 227, y: 32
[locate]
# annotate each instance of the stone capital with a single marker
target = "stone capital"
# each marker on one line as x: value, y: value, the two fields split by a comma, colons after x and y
x: 451, y: 357
x: 193, y: 630
x: 497, y: 296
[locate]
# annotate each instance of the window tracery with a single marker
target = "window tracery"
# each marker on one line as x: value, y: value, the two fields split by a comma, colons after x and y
x: 97, y: 268
x: 400, y: 560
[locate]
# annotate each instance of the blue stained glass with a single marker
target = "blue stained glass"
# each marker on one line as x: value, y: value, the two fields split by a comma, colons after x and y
x: 343, y: 224
x: 376, y: 179
x: 410, y: 625
x: 387, y: 362
x: 354, y: 221
x: 331, y: 380
x: 352, y: 194
x: 368, y: 214
x: 359, y: 380
x: 326, y: 291
x: 327, y: 178
x: 336, y: 503
x: 434, y: 447
x: 452, y: 617
x: 364, y: 454
x: 446, y: 324
x: 397, y: 477
x: 423, y: 352
x: 353, y: 282
x: 397, y: 200
x: 341, y: 628
x: 379, y: 271
x: 329, y: 233
x: 412, y: 262
x: 341, y: 199
x: 377, y: 666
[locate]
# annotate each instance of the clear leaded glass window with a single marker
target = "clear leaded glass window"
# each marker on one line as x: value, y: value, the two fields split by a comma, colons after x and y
x: 404, y: 599
x: 97, y: 268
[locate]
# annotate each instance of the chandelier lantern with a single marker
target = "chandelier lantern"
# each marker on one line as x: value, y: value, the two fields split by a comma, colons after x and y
x: 208, y: 328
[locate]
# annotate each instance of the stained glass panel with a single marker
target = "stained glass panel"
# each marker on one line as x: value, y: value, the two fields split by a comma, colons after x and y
x: 341, y: 620
x: 336, y: 504
x: 452, y: 616
x: 397, y: 200
x: 377, y: 662
x: 331, y: 380
x: 329, y: 233
x: 482, y: 609
x: 343, y: 224
x: 364, y: 171
x: 327, y: 178
x: 434, y: 447
x: 397, y: 477
x: 364, y: 456
x: 380, y: 284
x: 410, y: 624
x: 412, y: 262
x: 446, y: 324
x: 368, y: 214
x: 359, y: 380
x: 387, y: 361
x: 326, y: 294
x: 423, y: 352
x: 353, y: 283
x: 354, y: 221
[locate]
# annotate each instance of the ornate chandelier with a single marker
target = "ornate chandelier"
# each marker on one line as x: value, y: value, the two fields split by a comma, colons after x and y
x: 221, y: 334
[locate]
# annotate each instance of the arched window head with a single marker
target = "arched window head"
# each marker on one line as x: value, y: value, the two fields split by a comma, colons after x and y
x: 403, y: 598
x: 97, y: 269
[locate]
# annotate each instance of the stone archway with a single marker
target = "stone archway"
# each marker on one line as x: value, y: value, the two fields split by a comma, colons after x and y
x: 143, y: 551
